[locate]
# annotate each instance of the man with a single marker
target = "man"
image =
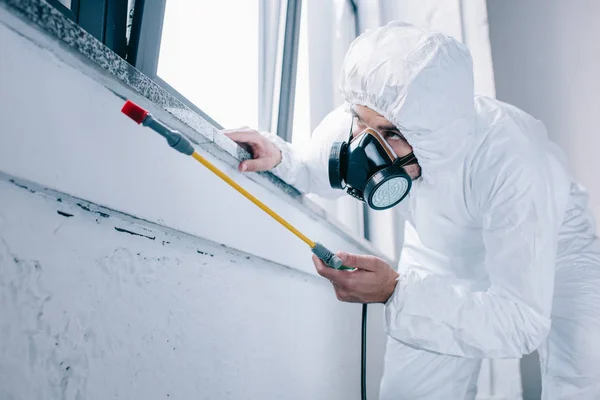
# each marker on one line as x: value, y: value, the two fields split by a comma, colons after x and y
x: 500, y: 255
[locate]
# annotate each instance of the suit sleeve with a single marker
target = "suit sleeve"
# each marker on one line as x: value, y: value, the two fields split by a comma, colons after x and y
x: 306, y: 167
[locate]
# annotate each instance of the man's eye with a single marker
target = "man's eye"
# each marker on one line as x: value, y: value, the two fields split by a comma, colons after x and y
x: 393, y: 136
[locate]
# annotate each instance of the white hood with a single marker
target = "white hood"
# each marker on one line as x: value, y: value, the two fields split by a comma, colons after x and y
x: 420, y: 81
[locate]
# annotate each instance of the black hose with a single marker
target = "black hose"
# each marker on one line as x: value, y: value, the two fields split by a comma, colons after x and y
x: 363, y: 355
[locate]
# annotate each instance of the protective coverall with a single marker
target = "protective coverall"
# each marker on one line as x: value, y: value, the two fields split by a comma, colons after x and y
x: 500, y: 255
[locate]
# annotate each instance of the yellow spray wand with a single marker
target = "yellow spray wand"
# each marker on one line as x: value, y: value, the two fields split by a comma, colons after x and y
x: 180, y: 143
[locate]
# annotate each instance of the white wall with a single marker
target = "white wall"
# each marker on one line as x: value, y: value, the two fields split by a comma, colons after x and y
x: 133, y: 317
x: 547, y: 62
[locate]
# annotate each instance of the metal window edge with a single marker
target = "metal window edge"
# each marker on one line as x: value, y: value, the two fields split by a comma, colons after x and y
x: 287, y: 89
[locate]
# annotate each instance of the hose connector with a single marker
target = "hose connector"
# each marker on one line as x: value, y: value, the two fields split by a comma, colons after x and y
x: 327, y: 256
x: 175, y: 139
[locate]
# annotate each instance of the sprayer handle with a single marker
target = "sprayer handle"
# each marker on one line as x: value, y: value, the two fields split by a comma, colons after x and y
x: 328, y: 257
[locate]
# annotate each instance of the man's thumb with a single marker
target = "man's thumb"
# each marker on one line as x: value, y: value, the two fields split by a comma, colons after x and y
x: 368, y: 263
x: 349, y: 260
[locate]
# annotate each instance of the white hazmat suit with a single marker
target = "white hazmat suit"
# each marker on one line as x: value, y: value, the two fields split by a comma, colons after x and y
x: 500, y: 255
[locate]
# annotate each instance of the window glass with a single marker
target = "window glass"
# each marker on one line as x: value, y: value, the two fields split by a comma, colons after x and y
x: 210, y: 54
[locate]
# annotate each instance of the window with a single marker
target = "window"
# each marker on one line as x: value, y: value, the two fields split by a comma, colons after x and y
x: 223, y: 59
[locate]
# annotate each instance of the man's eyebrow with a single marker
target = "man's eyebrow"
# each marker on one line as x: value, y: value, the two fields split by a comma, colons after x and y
x: 390, y: 127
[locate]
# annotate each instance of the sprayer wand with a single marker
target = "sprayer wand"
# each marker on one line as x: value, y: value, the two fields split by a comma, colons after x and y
x: 180, y: 143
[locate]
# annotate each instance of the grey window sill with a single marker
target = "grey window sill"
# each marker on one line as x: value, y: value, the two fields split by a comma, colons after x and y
x: 121, y: 78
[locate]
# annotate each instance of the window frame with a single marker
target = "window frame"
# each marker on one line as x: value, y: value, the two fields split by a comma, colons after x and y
x: 288, y: 73
x: 106, y: 20
x: 146, y: 34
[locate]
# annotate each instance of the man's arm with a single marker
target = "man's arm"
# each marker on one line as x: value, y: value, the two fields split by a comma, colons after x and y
x: 304, y: 168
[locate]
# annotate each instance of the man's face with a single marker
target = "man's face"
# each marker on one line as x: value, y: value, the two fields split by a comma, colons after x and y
x: 365, y: 118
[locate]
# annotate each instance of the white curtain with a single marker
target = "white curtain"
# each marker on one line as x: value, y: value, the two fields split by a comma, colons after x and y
x: 330, y: 30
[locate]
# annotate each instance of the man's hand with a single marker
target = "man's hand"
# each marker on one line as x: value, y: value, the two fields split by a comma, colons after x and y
x: 264, y: 153
x: 373, y: 281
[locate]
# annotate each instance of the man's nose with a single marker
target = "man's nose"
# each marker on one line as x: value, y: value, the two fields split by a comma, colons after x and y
x: 401, y: 150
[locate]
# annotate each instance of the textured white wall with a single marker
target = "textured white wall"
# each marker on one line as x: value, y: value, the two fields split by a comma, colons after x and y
x: 90, y: 312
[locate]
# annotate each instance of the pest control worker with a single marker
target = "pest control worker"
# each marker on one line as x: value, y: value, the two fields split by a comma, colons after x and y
x: 500, y: 255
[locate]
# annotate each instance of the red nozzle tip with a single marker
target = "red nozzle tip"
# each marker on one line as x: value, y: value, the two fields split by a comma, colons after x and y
x: 134, y: 111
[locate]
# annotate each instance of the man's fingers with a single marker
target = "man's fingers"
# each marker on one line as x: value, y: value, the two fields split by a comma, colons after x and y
x: 258, y: 164
x: 368, y: 263
x: 336, y: 276
x: 320, y: 266
x: 341, y: 295
x: 241, y: 128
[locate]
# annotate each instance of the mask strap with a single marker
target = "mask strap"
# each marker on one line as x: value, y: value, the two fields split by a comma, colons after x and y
x: 407, y: 159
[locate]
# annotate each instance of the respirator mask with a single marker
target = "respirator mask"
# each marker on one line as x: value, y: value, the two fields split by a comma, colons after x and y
x: 368, y: 169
